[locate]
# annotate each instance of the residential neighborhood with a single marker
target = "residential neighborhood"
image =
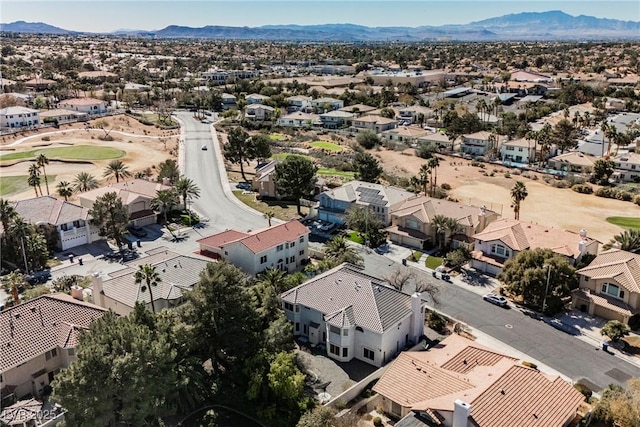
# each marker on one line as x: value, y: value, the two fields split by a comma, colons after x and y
x: 311, y: 225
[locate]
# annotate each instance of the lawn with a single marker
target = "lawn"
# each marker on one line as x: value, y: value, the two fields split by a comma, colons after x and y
x: 415, y: 256
x: 625, y: 221
x: 326, y: 145
x: 433, y: 262
x: 276, y: 137
x: 335, y: 172
x: 17, y: 184
x: 77, y: 152
x: 282, y: 209
x: 354, y: 236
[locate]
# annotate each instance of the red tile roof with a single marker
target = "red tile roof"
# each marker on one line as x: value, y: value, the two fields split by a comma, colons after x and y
x: 221, y: 239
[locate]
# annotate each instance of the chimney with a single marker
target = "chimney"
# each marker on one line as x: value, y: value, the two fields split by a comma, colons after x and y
x: 461, y: 413
x: 76, y: 292
x: 582, y: 246
x: 97, y: 290
x: 417, y: 317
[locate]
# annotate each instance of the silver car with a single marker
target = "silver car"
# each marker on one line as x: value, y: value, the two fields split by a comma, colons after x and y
x: 495, y: 299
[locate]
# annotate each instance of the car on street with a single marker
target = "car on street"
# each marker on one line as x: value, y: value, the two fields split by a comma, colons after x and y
x: 137, y: 231
x: 204, y: 148
x: 495, y: 299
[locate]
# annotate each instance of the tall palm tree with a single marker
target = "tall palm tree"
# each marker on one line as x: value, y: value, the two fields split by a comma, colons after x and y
x: 439, y: 227
x: 164, y: 201
x: 268, y: 215
x: 612, y: 135
x: 7, y: 214
x: 116, y: 169
x: 423, y: 177
x: 481, y: 106
x: 628, y: 240
x: 544, y: 139
x: 41, y: 161
x: 338, y: 249
x: 518, y: 194
x: 84, y: 181
x: 433, y: 164
x: 64, y: 189
x: 187, y: 189
x: 148, y: 275
x: 19, y: 230
x: 452, y: 226
x: 34, y: 178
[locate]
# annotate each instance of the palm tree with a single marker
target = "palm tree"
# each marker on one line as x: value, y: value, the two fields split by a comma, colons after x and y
x: 628, y: 240
x: 34, y: 178
x: 164, y: 201
x: 41, y: 161
x: 518, y: 194
x: 452, y: 226
x: 64, y: 189
x: 19, y: 230
x: 338, y: 249
x: 7, y: 214
x: 439, y: 226
x: 433, y: 164
x: 117, y: 169
x: 544, y: 139
x: 268, y: 215
x: 274, y: 278
x: 187, y: 189
x: 84, y: 181
x: 147, y: 273
x: 612, y: 136
x: 423, y: 176
x: 481, y: 106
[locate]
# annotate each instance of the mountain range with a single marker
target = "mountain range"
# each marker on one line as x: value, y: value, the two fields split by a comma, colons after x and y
x: 551, y: 25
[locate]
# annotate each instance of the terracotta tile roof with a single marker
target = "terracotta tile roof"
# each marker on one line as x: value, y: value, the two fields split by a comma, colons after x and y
x: 616, y: 264
x: 471, y: 357
x: 221, y: 239
x: 260, y: 240
x: 375, y: 119
x: 375, y: 306
x: 607, y: 301
x: 520, y: 235
x: 49, y: 210
x: 82, y: 101
x: 34, y: 327
x: 128, y: 190
x: 575, y: 158
x: 426, y: 208
x: 342, y: 318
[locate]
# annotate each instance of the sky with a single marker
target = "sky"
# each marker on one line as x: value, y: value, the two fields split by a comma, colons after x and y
x: 107, y: 15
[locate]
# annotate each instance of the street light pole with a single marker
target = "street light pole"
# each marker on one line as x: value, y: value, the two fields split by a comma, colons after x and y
x: 546, y: 289
x: 24, y: 255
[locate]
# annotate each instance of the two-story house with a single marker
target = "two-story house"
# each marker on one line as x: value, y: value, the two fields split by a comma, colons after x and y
x: 68, y: 221
x: 90, y: 106
x: 263, y: 181
x: 255, y: 98
x: 572, y: 162
x: 412, y: 222
x: 505, y: 238
x: 520, y: 150
x: 323, y: 105
x: 334, y: 203
x: 405, y: 134
x: 336, y: 119
x: 610, y: 286
x: 298, y: 103
x: 283, y: 246
x: 298, y: 119
x: 118, y: 291
x: 18, y: 117
x: 358, y: 109
x: 258, y: 112
x: 414, y: 114
x: 627, y: 167
x: 375, y: 123
x: 481, y: 143
x: 39, y: 337
x: 354, y: 316
x: 438, y: 140
x: 229, y: 101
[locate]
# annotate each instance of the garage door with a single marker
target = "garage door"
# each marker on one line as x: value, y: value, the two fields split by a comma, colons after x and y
x: 607, y: 313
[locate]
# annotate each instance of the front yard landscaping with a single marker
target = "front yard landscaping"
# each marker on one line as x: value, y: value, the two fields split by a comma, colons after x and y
x: 433, y: 262
x: 284, y: 210
x: 355, y: 236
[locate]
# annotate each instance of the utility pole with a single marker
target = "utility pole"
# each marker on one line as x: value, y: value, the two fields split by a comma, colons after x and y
x: 546, y: 289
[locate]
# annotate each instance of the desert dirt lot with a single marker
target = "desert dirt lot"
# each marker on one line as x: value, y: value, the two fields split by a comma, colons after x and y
x: 145, y: 146
x: 556, y: 207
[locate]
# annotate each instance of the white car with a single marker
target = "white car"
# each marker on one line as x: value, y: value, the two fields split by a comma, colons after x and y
x: 495, y: 299
x: 204, y: 148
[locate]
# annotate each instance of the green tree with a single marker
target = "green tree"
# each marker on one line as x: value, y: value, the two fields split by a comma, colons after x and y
x: 325, y: 416
x: 367, y: 139
x: 602, y: 171
x: 458, y: 257
x: 269, y: 215
x: 168, y: 169
x: 367, y: 168
x: 42, y: 160
x: 7, y: 214
x: 64, y: 189
x: 615, y: 330
x: 187, y: 189
x: 36, y: 292
x: 368, y: 224
x: 84, y: 181
x: 565, y: 135
x: 116, y: 169
x: 34, y: 178
x: 164, y: 201
x: 388, y: 113
x: 338, y: 250
x: 439, y: 225
x: 619, y: 406
x: 12, y: 283
x: 628, y: 240
x: 261, y: 146
x: 238, y: 148
x: 295, y: 178
x: 147, y: 275
x: 518, y: 194
x: 433, y: 163
x: 110, y: 216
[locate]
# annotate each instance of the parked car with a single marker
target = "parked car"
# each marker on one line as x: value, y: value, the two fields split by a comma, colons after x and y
x: 495, y: 299
x: 137, y: 231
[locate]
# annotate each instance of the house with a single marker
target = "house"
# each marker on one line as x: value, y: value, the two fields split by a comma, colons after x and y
x: 136, y: 196
x: 415, y: 114
x: 39, y: 83
x: 62, y: 116
x: 481, y: 143
x: 336, y: 119
x: 18, y: 117
x: 255, y: 98
x: 298, y: 103
x: 221, y: 77
x: 379, y: 198
x: 283, y: 246
x: 405, y: 134
x: 67, y: 221
x: 375, y: 123
x: 228, y: 101
x: 610, y: 286
x: 505, y: 238
x: 263, y: 181
x: 298, y: 119
x: 39, y: 337
x: 358, y: 109
x: 572, y: 162
x: 90, y: 106
x: 439, y: 140
x: 411, y: 221
x: 459, y: 383
x: 530, y: 76
x: 323, y: 105
x: 118, y: 291
x: 520, y: 150
x: 354, y: 316
x: 627, y: 167
x: 258, y: 112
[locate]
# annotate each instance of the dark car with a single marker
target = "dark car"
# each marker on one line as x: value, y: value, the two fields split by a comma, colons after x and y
x: 137, y: 231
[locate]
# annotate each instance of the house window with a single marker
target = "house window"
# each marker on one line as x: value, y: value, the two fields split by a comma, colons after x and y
x: 297, y: 308
x: 586, y: 279
x: 334, y: 329
x: 292, y: 259
x: 301, y: 240
x: 369, y: 354
x: 292, y: 244
x: 345, y: 352
x: 297, y: 327
x: 345, y: 332
x: 288, y: 306
x: 279, y: 248
x: 51, y: 354
x: 500, y: 250
x: 64, y: 227
x: 301, y: 253
x: 334, y: 349
x: 359, y: 329
x: 412, y: 223
x: 263, y: 259
x: 305, y: 329
x: 612, y: 290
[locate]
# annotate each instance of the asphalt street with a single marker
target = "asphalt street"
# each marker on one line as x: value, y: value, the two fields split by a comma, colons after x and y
x: 575, y: 358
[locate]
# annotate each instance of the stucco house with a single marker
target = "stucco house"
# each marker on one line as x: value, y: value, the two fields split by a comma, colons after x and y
x: 298, y: 103
x: 413, y: 113
x: 90, y: 106
x: 572, y: 162
x: 119, y: 292
x: 505, y: 238
x: 438, y: 140
x: 283, y: 246
x: 18, y: 117
x: 405, y: 134
x: 298, y: 119
x: 62, y: 116
x: 255, y: 98
x: 334, y: 203
x: 229, y: 101
x: 610, y: 286
x: 258, y: 112
x: 39, y: 337
x: 460, y: 383
x: 323, y: 105
x: 336, y: 119
x: 263, y: 181
x: 375, y: 123
x: 481, y: 143
x: 354, y: 316
x: 627, y: 167
x: 520, y: 150
x: 358, y: 109
x: 69, y: 221
x: 411, y: 221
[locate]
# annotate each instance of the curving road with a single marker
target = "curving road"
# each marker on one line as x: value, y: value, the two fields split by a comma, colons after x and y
x: 206, y: 169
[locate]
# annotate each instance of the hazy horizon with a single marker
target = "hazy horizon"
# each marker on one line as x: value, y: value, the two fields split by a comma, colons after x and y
x: 108, y: 16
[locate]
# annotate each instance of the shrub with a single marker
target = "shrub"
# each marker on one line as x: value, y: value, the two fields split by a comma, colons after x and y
x: 507, y: 175
x: 425, y: 150
x: 529, y: 175
x: 436, y: 321
x: 529, y: 365
x: 582, y: 188
x: 625, y: 196
x: 445, y: 186
x: 519, y: 172
x: 586, y: 391
x: 606, y: 192
x: 377, y: 421
x: 46, y: 138
x: 561, y: 184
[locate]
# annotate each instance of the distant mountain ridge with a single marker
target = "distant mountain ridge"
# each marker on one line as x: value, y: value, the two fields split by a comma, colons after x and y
x: 551, y: 25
